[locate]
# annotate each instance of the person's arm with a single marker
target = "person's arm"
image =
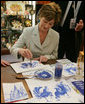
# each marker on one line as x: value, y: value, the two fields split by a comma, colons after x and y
x: 54, y: 54
x: 19, y: 44
x: 18, y: 48
x: 45, y: 58
x: 4, y: 63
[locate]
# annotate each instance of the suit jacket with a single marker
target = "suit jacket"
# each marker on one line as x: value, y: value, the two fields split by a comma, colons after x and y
x: 70, y: 41
x: 67, y: 35
x: 30, y: 38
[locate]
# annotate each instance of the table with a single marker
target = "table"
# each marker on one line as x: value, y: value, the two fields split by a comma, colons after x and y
x: 5, y: 51
x: 8, y: 76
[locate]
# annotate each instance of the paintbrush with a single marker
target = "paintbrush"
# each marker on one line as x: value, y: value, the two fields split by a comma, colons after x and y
x: 25, y: 76
x: 30, y: 59
x: 30, y: 62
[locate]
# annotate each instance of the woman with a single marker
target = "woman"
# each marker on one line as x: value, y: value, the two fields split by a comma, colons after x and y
x: 41, y: 41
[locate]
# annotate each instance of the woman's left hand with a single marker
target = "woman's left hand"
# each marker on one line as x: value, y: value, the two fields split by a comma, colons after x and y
x: 43, y: 59
x: 79, y: 26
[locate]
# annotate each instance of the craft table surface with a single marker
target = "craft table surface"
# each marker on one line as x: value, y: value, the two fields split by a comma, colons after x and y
x: 8, y: 76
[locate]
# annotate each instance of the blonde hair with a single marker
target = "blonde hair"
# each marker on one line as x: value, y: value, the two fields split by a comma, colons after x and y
x: 50, y: 11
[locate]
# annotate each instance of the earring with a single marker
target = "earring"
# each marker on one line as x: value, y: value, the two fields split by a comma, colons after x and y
x: 38, y: 20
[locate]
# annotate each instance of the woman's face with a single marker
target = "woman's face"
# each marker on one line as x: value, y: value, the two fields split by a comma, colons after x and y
x: 44, y: 25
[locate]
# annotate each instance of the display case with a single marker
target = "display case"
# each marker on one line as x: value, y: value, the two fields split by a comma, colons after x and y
x: 15, y: 16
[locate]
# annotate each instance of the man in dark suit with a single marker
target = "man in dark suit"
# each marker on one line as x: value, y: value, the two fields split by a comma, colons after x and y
x: 70, y: 38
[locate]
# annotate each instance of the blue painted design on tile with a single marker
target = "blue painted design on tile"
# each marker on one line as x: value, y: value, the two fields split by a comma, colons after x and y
x: 45, y: 94
x: 28, y: 64
x: 71, y: 70
x: 61, y: 90
x: 16, y: 94
x: 44, y: 74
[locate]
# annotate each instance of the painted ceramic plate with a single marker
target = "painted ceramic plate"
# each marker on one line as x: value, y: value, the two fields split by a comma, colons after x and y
x: 28, y: 23
x: 43, y: 74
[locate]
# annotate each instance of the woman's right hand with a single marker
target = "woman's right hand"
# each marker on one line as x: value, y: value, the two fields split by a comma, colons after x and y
x: 25, y: 53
